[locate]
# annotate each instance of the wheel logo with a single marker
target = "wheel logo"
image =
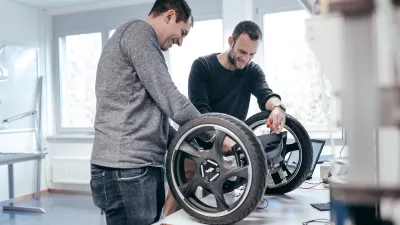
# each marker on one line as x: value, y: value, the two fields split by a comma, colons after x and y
x: 209, y: 170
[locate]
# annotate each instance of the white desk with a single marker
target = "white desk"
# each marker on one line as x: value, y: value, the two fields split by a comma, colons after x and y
x: 292, y: 208
x: 10, y: 159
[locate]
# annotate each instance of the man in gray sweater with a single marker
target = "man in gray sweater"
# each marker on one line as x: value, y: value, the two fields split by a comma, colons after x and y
x: 135, y: 99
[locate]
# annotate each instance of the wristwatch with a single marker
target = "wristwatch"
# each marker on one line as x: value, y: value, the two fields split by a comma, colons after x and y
x: 282, y: 106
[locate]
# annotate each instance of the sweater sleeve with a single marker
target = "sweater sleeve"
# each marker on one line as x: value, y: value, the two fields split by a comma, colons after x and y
x: 140, y: 45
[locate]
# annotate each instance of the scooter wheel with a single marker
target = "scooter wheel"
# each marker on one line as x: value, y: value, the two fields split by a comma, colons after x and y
x: 298, y: 142
x: 212, y: 171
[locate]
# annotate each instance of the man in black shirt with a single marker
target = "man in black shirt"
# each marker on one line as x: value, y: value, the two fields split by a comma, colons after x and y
x: 224, y: 83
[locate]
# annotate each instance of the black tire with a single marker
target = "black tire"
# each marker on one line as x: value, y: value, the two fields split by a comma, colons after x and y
x: 258, y: 168
x: 306, y: 147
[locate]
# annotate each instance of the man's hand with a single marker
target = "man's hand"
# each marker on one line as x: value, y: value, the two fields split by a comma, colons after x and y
x: 278, y: 120
x: 227, y: 146
x: 277, y: 115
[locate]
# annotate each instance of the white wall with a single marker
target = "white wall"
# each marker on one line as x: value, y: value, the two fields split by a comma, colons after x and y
x: 18, y: 25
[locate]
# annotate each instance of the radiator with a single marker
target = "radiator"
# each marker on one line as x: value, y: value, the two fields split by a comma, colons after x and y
x: 71, y: 170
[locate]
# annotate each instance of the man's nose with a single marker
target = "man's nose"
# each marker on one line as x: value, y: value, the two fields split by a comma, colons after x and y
x: 180, y: 42
x: 246, y: 57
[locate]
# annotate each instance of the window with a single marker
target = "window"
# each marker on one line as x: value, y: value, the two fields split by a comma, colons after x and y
x: 79, y: 55
x: 196, y: 44
x: 291, y: 68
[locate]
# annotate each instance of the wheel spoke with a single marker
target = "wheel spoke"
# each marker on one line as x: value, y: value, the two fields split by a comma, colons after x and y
x: 219, y: 197
x: 219, y: 139
x: 190, y: 187
x: 235, y: 172
x: 216, y: 150
x: 284, y: 167
x: 190, y: 150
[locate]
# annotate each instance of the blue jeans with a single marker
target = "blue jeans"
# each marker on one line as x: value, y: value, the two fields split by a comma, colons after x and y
x: 128, y: 196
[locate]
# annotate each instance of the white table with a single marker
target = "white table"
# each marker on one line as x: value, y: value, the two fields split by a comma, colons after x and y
x: 10, y: 159
x: 292, y: 208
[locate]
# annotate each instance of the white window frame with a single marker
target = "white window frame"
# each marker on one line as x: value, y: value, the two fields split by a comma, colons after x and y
x: 59, y: 59
x: 315, y: 131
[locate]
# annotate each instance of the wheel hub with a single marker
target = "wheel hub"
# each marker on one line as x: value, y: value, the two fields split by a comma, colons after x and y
x: 209, y: 170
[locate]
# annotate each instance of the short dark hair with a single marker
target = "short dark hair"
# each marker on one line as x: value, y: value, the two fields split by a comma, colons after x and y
x: 182, y: 9
x: 247, y: 27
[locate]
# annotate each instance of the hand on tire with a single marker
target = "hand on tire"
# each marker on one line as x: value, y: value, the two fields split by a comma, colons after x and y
x: 278, y: 120
x: 227, y: 146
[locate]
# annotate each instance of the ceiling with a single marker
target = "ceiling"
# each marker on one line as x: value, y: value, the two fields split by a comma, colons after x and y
x: 51, y: 4
x: 46, y: 4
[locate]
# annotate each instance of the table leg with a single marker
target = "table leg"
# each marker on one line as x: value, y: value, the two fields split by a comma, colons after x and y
x: 9, y: 204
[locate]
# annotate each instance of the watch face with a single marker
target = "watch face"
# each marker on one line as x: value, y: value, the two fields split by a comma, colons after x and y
x: 283, y: 107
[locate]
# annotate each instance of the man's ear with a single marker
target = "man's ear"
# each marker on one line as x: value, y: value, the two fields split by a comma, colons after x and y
x: 230, y: 41
x: 169, y: 15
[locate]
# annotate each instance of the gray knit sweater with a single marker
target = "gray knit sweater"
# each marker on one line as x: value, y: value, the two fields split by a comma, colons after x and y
x: 135, y: 98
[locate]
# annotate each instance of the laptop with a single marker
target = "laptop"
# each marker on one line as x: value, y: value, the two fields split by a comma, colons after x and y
x: 317, y: 146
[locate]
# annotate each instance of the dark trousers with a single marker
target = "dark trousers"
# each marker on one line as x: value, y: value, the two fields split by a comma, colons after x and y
x: 128, y: 196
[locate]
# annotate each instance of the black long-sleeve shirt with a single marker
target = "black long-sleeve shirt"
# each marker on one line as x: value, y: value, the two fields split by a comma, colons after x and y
x: 212, y: 88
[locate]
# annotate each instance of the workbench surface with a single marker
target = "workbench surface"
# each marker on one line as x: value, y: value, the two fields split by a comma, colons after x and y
x: 291, y: 208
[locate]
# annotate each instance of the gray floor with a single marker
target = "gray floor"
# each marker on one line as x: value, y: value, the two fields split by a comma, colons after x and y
x: 61, y: 209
